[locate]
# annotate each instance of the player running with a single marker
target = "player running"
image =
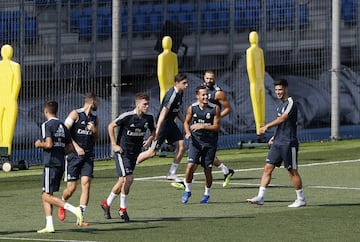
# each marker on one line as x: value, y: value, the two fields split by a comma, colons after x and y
x: 217, y: 96
x: 132, y: 127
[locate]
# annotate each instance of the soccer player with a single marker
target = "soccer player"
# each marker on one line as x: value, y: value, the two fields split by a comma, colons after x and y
x: 83, y: 125
x: 132, y: 126
x: 202, y: 124
x: 284, y: 146
x: 217, y: 96
x: 56, y: 143
x: 166, y: 128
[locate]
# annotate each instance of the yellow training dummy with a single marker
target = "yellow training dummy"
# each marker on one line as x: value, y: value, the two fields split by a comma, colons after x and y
x: 167, y: 67
x: 256, y: 72
x: 10, y: 82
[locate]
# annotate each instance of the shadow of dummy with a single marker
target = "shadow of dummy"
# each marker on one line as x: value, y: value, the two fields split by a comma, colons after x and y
x: 256, y: 72
x: 167, y: 67
x: 10, y: 83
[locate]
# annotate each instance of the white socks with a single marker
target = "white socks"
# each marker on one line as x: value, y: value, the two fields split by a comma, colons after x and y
x: 187, y: 186
x: 70, y: 207
x: 173, y: 168
x: 123, y: 199
x: 300, y: 194
x: 207, y: 191
x: 49, y: 222
x: 224, y: 168
x: 262, y: 191
x: 111, y: 198
x: 83, y: 209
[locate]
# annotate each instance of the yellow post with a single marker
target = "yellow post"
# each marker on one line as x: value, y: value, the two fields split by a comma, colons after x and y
x: 167, y: 67
x: 10, y: 83
x: 256, y: 72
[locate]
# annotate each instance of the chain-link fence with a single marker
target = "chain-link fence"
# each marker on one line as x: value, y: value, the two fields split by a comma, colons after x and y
x: 65, y: 49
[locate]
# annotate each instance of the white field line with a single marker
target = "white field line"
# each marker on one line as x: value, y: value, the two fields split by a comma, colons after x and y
x: 163, y: 178
x: 338, y: 188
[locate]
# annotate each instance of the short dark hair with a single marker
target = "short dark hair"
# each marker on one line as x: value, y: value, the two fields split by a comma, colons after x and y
x: 281, y: 82
x: 90, y: 95
x: 210, y: 72
x: 198, y: 88
x: 179, y: 77
x: 141, y: 95
x: 52, y: 107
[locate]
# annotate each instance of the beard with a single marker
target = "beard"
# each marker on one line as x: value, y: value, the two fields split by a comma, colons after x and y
x: 209, y: 85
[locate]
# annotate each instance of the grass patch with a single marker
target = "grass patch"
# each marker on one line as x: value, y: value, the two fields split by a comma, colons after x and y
x: 158, y: 215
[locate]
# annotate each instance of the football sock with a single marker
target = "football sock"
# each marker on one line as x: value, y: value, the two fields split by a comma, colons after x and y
x: 187, y: 186
x: 83, y: 209
x: 173, y: 168
x: 207, y: 191
x: 224, y: 168
x: 112, y: 196
x: 70, y: 208
x: 262, y: 191
x: 123, y: 199
x: 49, y: 222
x: 300, y: 194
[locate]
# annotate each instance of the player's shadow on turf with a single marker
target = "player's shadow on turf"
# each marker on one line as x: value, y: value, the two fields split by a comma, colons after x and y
x: 9, y: 232
x: 92, y: 230
x: 279, y: 201
x: 238, y: 178
x: 177, y: 219
x: 251, y: 187
x: 86, y: 230
x: 7, y: 196
x: 339, y: 204
x: 168, y: 219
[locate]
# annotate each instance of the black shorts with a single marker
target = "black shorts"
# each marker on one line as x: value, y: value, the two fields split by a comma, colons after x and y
x: 169, y: 132
x: 78, y: 166
x: 125, y: 164
x: 287, y: 153
x: 51, y: 179
x: 203, y: 155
